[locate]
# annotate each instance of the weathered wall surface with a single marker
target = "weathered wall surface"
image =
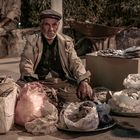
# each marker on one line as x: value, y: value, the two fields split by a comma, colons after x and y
x: 122, y: 40
x: 17, y: 40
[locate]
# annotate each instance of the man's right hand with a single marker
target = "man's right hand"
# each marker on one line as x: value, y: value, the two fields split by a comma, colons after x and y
x: 84, y: 91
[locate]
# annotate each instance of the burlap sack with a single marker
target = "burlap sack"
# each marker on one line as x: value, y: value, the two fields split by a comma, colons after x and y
x: 8, y: 93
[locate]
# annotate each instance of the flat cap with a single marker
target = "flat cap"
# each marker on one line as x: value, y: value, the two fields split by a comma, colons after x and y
x: 50, y: 14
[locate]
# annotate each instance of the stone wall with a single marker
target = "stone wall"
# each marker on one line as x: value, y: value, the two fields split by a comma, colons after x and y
x: 17, y: 40
x: 127, y: 38
x: 16, y: 43
x: 122, y: 40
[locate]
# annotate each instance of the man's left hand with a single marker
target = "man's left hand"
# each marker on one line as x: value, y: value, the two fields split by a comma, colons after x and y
x: 85, y: 91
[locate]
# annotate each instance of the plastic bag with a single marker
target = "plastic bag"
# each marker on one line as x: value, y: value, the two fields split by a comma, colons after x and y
x: 132, y: 81
x: 80, y: 116
x: 103, y: 113
x: 30, y: 103
x: 122, y: 102
x: 44, y: 125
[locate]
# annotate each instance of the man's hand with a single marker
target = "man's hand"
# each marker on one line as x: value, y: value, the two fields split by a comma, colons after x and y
x: 85, y: 91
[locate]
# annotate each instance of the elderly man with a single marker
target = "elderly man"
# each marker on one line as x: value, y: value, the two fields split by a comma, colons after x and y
x: 52, y: 53
x: 9, y: 18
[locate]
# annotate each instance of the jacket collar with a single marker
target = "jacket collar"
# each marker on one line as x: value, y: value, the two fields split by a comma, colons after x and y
x: 39, y: 50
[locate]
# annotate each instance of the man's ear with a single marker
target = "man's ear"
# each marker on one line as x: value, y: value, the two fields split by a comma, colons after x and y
x: 58, y: 23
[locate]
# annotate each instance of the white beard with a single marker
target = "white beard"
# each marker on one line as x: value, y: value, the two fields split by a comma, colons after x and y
x: 49, y: 38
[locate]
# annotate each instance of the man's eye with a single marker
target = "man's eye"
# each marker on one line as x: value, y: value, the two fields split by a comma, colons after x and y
x: 55, y: 24
x: 46, y: 24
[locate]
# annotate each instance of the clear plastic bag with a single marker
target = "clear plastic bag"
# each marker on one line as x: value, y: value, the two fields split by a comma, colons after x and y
x: 80, y: 116
x: 30, y: 103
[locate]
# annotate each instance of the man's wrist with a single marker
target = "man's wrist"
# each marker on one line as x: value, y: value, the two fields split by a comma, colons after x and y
x: 85, y: 80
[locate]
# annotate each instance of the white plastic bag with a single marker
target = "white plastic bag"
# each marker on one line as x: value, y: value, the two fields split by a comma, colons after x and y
x: 132, y: 81
x: 121, y: 102
x: 80, y: 116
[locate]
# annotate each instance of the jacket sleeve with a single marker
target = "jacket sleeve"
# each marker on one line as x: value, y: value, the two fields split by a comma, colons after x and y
x: 75, y: 64
x: 27, y: 61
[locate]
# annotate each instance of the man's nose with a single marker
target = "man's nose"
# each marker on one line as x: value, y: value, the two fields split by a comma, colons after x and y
x: 51, y: 27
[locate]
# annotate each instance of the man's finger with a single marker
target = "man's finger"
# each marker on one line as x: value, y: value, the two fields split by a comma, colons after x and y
x: 78, y: 94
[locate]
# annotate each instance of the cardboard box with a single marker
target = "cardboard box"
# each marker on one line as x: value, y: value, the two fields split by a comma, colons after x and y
x: 110, y: 71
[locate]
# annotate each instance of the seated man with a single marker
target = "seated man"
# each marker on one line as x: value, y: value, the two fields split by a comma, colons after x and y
x: 52, y: 53
x: 9, y: 17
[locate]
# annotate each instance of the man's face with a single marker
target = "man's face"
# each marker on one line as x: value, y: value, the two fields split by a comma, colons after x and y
x: 49, y: 27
